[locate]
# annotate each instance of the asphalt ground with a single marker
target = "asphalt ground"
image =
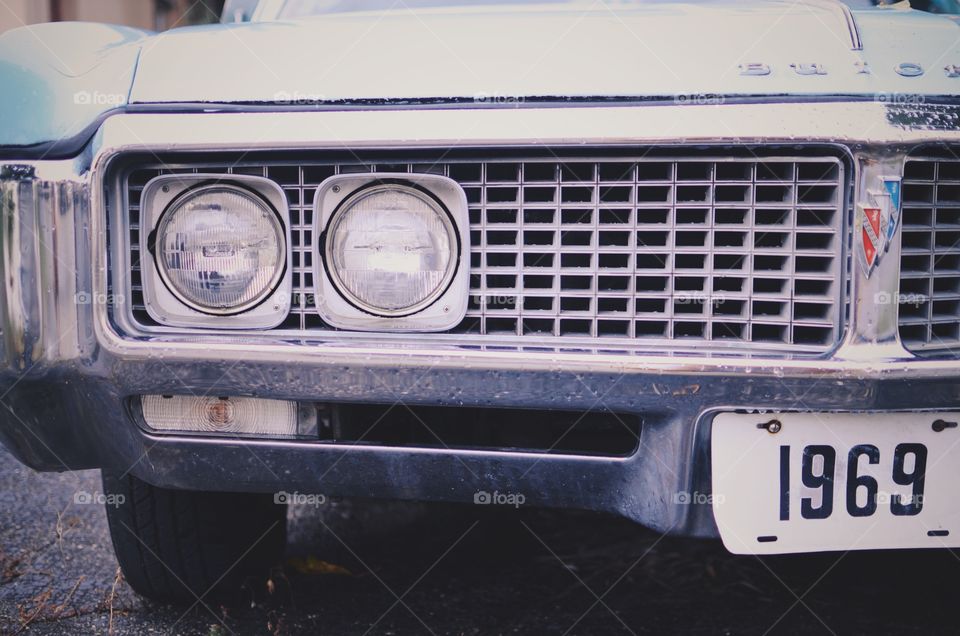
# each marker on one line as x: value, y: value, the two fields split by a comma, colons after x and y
x: 368, y: 567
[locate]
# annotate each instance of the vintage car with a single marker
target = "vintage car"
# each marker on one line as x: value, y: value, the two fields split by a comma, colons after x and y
x: 696, y: 264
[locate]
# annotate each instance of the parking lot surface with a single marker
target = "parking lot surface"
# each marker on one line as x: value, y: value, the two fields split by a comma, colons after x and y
x: 362, y: 567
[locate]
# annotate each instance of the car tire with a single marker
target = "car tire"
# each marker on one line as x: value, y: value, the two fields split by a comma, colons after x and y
x: 185, y: 546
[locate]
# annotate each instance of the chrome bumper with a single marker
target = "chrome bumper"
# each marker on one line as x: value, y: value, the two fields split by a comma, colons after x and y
x: 67, y: 370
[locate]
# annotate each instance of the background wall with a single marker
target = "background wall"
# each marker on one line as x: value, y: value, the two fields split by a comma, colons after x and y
x: 155, y: 15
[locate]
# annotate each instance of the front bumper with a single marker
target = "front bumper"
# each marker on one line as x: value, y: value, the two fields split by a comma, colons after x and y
x: 68, y: 370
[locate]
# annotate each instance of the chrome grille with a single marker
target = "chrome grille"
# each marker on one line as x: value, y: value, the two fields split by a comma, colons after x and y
x: 930, y: 255
x: 622, y: 251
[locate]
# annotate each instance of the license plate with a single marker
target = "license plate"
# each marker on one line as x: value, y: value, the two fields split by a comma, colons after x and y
x: 813, y: 482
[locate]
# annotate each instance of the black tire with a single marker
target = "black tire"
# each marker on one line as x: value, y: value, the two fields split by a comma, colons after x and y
x: 180, y: 545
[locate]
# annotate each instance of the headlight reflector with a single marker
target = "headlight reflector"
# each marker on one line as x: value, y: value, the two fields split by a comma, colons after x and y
x: 220, y: 249
x: 391, y: 250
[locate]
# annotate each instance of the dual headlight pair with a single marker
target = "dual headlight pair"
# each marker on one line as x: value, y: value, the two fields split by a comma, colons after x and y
x: 389, y: 251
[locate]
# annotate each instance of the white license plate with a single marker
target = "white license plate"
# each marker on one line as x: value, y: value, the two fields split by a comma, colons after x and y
x: 836, y: 481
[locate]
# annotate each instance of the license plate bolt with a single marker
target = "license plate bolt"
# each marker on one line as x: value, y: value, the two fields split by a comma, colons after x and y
x: 941, y: 425
x: 774, y: 426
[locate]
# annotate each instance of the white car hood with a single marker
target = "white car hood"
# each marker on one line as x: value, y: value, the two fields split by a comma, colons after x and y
x: 603, y: 50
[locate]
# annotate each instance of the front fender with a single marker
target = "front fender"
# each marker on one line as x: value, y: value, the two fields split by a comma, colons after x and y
x: 59, y: 80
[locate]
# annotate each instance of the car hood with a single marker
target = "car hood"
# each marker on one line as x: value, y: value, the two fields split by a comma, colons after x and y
x: 501, y: 53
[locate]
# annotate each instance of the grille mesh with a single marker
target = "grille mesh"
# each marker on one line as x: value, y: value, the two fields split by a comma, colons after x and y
x: 930, y: 255
x: 735, y: 252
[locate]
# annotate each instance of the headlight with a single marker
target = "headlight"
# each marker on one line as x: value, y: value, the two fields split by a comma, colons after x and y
x: 391, y: 250
x: 220, y: 249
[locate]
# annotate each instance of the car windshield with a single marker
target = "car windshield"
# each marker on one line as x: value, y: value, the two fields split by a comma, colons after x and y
x: 300, y: 8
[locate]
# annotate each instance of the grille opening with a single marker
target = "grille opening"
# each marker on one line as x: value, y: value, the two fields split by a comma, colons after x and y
x: 728, y: 216
x: 536, y: 195
x: 764, y: 216
x: 728, y: 330
x: 654, y: 171
x: 693, y: 194
x: 768, y: 240
x: 576, y: 216
x: 949, y: 171
x: 538, y: 303
x: 538, y: 259
x: 574, y: 304
x: 654, y: 284
x: 501, y: 216
x: 463, y: 428
x: 652, y: 239
x: 769, y: 285
x: 948, y: 194
x: 769, y: 333
x: 691, y: 239
x: 817, y: 171
x: 734, y: 171
x: 821, y: 241
x: 613, y: 239
x: 651, y: 329
x: 729, y: 262
x: 811, y: 287
x: 613, y: 328
x: 690, y: 261
x: 575, y: 260
x: 694, y: 171
x: 767, y: 194
x: 614, y: 217
x: 689, y: 330
x: 500, y: 259
x: 573, y: 239
x: 732, y: 194
x: 948, y: 217
x: 946, y: 263
x: 574, y: 327
x: 538, y: 282
x: 613, y: 261
x: 653, y: 216
x: 533, y: 217
x: 616, y: 171
x: 811, y: 335
x: 503, y: 195
x: 615, y: 195
x: 768, y: 171
x: 509, y: 172
x: 654, y: 194
x: 728, y: 284
x: 692, y: 216
x: 650, y: 306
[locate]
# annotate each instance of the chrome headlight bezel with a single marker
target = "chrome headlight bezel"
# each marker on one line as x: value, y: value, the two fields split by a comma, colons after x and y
x: 441, y: 310
x: 166, y: 306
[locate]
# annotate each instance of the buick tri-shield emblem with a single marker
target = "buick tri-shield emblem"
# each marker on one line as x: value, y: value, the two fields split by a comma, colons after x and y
x: 877, y: 221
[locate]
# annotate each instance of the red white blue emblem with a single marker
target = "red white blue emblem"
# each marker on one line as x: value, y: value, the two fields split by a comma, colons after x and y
x: 877, y: 222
